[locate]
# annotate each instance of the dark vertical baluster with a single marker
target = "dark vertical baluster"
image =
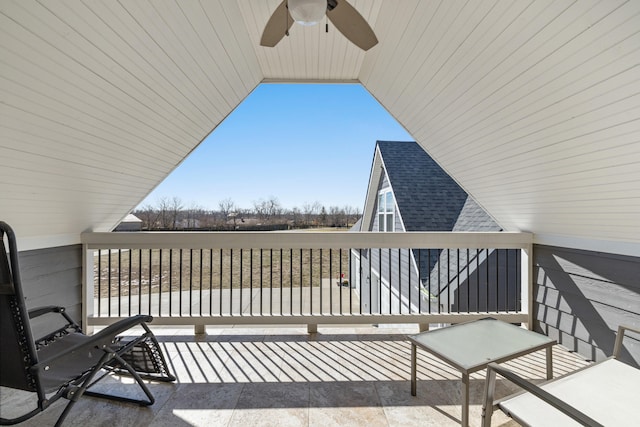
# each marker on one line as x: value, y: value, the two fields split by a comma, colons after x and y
x: 420, y: 281
x: 330, y: 279
x: 231, y: 282
x: 220, y: 272
x: 508, y: 279
x: 487, y: 269
x: 139, y: 281
x: 129, y: 271
x: 160, y: 282
x: 119, y: 282
x: 170, y: 282
x: 300, y: 281
x: 390, y: 283
x: 320, y: 281
x: 310, y: 281
x: 190, y: 282
x: 439, y: 281
x: 400, y: 281
x: 261, y: 276
x: 340, y: 278
x: 478, y: 280
x: 448, y: 281
x: 200, y: 296
x: 518, y: 304
x: 99, y: 282
x: 497, y: 279
x: 380, y: 280
x: 211, y: 282
x: 358, y: 273
x: 468, y: 264
x: 180, y: 267
x: 349, y: 287
x: 458, y: 273
x: 281, y: 284
x: 290, y: 281
x: 109, y: 283
x: 150, y: 278
x: 271, y: 282
x: 409, y: 270
x: 241, y: 268
x: 251, y: 282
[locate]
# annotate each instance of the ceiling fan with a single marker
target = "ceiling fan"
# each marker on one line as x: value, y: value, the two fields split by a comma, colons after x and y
x: 309, y: 12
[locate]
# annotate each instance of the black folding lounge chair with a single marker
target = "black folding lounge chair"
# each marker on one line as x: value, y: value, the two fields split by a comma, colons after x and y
x: 65, y: 362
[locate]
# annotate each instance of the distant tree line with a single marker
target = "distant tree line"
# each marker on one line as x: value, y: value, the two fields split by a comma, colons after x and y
x: 172, y: 214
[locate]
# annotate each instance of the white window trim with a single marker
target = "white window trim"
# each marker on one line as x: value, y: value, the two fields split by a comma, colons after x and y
x: 387, y: 211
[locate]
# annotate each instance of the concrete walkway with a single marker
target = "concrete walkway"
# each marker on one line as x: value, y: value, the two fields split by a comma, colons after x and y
x: 330, y: 298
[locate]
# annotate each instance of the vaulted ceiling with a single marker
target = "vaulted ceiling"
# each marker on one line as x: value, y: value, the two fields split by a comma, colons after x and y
x: 532, y: 106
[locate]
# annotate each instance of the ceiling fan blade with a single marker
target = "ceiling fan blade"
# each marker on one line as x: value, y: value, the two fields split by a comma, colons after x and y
x: 352, y: 25
x: 277, y: 26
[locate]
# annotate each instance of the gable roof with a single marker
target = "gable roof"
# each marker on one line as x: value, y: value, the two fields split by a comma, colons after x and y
x: 428, y: 199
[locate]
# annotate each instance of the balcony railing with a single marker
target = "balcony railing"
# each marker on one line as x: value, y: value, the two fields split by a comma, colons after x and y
x: 306, y: 278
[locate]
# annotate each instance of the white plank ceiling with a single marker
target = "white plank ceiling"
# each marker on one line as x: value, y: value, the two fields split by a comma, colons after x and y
x: 532, y: 106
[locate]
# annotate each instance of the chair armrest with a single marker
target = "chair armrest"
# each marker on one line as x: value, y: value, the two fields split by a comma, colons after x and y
x: 100, y: 340
x: 39, y: 311
x: 620, y: 336
x: 542, y: 394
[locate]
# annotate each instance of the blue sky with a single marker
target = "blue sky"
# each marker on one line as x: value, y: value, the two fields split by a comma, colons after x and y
x: 300, y: 143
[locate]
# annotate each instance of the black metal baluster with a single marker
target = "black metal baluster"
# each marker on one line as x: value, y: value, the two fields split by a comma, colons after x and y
x: 99, y: 282
x: 119, y: 282
x: 160, y: 283
x: 390, y: 283
x: 190, y: 282
x: 149, y: 282
x: 180, y: 267
x: 129, y: 271
x: 310, y: 281
x: 330, y: 279
x: 170, y: 282
x: 109, y: 282
x: 230, y: 282
x: 320, y: 281
x: 139, y: 281
x: 399, y: 281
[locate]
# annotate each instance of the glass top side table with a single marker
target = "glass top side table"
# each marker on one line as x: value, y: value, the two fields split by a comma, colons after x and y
x: 470, y: 347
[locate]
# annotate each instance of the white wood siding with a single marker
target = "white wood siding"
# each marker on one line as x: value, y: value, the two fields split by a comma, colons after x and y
x: 102, y: 100
x: 532, y: 107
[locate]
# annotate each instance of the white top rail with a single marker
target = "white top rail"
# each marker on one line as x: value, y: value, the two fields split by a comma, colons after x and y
x: 306, y: 240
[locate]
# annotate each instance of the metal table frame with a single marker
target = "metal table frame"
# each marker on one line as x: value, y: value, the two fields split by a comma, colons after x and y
x: 438, y: 342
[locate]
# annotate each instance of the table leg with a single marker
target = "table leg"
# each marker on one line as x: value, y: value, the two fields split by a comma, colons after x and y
x: 549, y: 363
x: 465, y: 400
x: 413, y: 369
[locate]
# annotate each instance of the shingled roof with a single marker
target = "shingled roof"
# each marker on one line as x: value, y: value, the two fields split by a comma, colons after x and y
x: 427, y: 197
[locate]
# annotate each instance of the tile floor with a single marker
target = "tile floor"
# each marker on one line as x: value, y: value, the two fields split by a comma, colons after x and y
x: 341, y: 376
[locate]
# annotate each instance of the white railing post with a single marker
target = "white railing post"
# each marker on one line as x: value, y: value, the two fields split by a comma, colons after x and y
x: 87, y: 288
x: 526, y: 283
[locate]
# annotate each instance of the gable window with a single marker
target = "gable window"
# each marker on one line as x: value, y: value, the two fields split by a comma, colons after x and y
x: 385, y: 211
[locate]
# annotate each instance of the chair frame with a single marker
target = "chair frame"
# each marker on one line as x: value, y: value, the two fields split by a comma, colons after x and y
x: 113, y: 353
x: 489, y: 406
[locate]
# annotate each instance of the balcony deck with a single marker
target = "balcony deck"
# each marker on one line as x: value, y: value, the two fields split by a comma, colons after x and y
x: 341, y: 376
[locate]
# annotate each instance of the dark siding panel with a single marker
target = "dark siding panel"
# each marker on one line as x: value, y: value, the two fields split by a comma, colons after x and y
x: 53, y: 276
x: 582, y: 297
